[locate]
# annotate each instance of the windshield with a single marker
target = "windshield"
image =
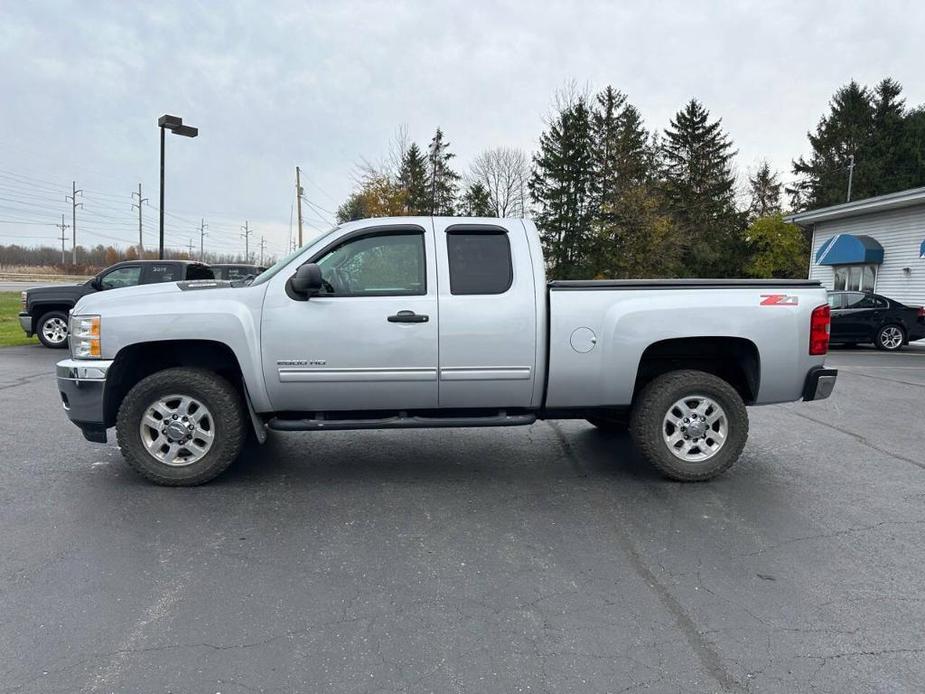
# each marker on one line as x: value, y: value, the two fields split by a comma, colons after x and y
x: 267, y: 274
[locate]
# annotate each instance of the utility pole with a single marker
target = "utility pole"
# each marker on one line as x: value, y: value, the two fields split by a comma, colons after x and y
x: 141, y: 201
x: 263, y: 247
x: 202, y: 238
x: 247, y: 231
x: 298, y: 199
x: 189, y: 253
x: 62, y: 226
x: 72, y: 198
x: 850, y: 175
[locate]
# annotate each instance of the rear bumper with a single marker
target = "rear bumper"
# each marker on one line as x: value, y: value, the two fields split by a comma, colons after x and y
x: 820, y: 382
x: 25, y: 322
x: 82, y: 386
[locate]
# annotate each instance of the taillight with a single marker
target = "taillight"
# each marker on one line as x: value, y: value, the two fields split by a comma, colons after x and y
x: 819, y: 325
x: 921, y: 311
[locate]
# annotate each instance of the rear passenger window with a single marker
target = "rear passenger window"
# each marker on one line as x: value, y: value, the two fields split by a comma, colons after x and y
x: 480, y: 261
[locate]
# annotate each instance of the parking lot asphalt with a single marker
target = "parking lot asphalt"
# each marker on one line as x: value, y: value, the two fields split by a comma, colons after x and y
x: 540, y: 559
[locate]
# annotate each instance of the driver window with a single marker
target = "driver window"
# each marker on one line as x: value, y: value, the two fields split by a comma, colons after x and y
x: 121, y: 277
x: 383, y: 264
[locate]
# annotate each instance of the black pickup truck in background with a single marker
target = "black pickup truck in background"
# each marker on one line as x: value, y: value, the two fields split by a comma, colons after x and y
x: 235, y: 271
x: 44, y: 309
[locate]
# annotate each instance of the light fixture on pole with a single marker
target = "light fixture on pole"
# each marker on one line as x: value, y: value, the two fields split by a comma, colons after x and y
x: 175, y: 125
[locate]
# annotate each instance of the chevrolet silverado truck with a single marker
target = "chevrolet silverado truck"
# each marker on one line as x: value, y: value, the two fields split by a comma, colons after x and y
x: 44, y: 309
x: 436, y: 322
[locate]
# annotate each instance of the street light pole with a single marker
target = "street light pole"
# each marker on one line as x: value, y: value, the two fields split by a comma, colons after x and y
x: 175, y: 125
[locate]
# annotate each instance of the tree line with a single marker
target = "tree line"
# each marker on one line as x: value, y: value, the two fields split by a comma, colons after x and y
x: 614, y: 198
x: 92, y: 259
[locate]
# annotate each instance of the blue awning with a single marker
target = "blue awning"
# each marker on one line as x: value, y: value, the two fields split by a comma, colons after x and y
x: 922, y: 250
x: 845, y: 249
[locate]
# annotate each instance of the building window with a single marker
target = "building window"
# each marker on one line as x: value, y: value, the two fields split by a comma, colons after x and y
x: 855, y: 278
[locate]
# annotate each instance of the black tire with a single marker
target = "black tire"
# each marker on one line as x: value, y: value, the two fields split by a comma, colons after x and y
x: 647, y: 422
x: 886, y: 341
x: 60, y: 317
x: 610, y: 425
x: 219, y: 397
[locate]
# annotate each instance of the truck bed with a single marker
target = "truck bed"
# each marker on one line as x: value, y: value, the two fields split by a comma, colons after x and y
x: 601, y: 330
x: 679, y: 284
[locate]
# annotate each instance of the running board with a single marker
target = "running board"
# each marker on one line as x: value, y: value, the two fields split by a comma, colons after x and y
x: 400, y: 422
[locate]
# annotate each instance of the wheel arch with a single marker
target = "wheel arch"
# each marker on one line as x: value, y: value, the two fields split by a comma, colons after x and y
x: 137, y: 361
x: 736, y: 360
x: 38, y: 311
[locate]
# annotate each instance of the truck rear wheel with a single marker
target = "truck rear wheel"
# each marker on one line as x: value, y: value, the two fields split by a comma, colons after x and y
x: 691, y: 425
x: 181, y: 426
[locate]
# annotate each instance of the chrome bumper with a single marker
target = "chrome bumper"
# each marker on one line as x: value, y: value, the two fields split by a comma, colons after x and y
x: 820, y: 383
x: 82, y: 386
x: 25, y: 322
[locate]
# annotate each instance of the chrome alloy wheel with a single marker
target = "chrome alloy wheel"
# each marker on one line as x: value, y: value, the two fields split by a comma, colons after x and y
x: 177, y: 430
x: 891, y: 337
x: 55, y: 330
x: 695, y: 428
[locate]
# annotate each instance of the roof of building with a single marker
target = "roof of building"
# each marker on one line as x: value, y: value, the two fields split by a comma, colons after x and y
x: 881, y: 203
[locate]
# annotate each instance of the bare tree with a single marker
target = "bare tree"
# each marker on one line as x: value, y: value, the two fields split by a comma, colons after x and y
x: 504, y: 172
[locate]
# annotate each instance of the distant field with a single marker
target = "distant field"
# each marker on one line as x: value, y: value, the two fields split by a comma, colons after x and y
x: 10, y: 332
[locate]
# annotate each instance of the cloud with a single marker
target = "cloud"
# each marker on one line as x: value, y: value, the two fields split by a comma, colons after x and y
x: 323, y: 85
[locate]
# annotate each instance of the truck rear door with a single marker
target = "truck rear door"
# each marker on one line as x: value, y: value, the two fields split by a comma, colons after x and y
x: 488, y: 314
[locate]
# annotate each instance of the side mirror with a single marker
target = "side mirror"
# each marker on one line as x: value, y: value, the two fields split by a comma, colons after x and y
x: 306, y: 281
x: 96, y: 283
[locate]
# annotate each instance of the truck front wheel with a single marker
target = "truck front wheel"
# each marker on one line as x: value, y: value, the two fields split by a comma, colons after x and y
x: 691, y: 425
x: 52, y: 329
x: 181, y: 426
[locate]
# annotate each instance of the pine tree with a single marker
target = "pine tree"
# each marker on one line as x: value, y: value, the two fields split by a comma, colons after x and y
x: 477, y: 202
x: 442, y: 178
x: 765, y: 190
x: 605, y: 123
x: 700, y: 190
x: 623, y: 164
x: 413, y: 178
x: 563, y: 187
x: 844, y: 132
x: 876, y: 128
x: 893, y: 159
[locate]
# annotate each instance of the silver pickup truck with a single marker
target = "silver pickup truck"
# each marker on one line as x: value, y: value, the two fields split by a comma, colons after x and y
x: 436, y: 322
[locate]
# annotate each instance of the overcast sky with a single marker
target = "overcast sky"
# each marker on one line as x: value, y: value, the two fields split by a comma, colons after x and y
x: 325, y: 84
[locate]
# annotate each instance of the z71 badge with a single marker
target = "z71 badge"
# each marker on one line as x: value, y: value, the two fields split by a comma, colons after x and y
x: 779, y: 300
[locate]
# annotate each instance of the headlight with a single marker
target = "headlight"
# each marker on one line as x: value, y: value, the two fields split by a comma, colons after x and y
x: 85, y: 337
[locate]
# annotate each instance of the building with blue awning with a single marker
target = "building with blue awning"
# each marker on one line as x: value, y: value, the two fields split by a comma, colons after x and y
x: 876, y: 244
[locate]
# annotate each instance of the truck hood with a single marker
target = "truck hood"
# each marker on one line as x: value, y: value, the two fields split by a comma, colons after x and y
x: 51, y: 288
x: 166, y: 291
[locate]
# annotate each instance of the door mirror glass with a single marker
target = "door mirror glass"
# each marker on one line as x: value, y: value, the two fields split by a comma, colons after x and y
x: 306, y: 281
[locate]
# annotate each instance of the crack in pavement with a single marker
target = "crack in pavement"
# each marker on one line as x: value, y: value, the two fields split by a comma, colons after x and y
x: 703, y: 649
x: 24, y: 380
x: 857, y: 437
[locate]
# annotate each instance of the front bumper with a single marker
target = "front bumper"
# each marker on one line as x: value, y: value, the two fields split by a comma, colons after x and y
x: 820, y: 382
x: 82, y: 385
x: 25, y: 322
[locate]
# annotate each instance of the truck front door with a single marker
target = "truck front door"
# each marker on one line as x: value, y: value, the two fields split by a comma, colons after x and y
x: 369, y: 340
